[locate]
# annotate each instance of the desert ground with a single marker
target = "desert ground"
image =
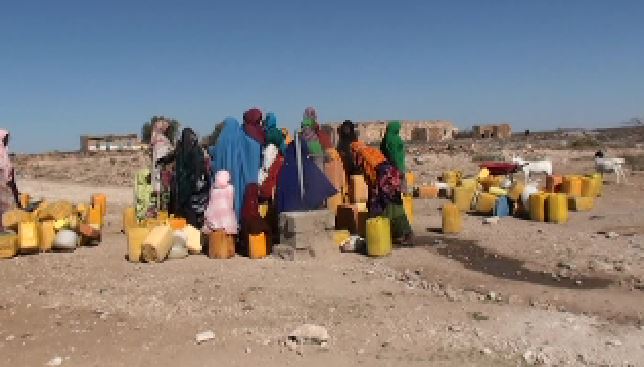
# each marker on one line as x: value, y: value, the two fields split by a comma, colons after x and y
x: 509, y: 294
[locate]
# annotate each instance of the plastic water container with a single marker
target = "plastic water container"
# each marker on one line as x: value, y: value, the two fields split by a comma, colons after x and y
x: 359, y: 192
x: 378, y: 237
x: 428, y: 192
x: 598, y: 183
x: 581, y: 203
x: 28, y: 237
x: 462, y: 198
x: 257, y: 246
x: 537, y: 207
x: 557, y: 208
x: 135, y: 238
x: 410, y: 177
x: 8, y: 245
x: 332, y: 203
x: 516, y: 190
x: 177, y: 223
x: 194, y: 239
x: 452, y: 220
x: 66, y: 240
x: 220, y: 245
x: 408, y: 205
x: 485, y: 203
x: 95, y: 218
x: 503, y: 207
x: 129, y: 218
x: 25, y: 199
x: 100, y: 201
x: 554, y: 183
x: 498, y: 191
x: 452, y: 178
x: 46, y: 234
x: 572, y: 185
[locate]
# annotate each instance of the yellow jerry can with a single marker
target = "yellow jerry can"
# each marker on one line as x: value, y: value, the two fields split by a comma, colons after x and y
x: 95, y: 217
x: 572, y: 185
x: 485, y: 203
x: 408, y: 205
x: 135, y: 238
x: 557, y: 208
x: 537, y: 207
x: 100, y: 200
x: 359, y: 192
x: 580, y: 203
x: 462, y: 198
x: 8, y: 245
x: 257, y: 246
x: 378, y: 237
x: 28, y: 236
x: 452, y: 220
x: 515, y: 191
x: 46, y: 234
x: 129, y: 218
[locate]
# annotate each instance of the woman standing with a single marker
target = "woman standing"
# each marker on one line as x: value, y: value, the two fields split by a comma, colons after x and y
x: 392, y: 146
x: 161, y: 176
x: 240, y: 155
x: 191, y: 179
x: 347, y: 135
x: 8, y: 190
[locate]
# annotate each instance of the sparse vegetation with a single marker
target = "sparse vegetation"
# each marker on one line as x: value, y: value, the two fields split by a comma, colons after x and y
x: 635, y: 162
x: 585, y: 142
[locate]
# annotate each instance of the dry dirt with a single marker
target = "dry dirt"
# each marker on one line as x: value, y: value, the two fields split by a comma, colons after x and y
x: 509, y: 294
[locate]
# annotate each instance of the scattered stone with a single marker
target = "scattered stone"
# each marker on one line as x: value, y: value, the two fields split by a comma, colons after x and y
x: 247, y: 350
x: 310, y: 334
x: 530, y: 357
x: 455, y: 328
x: 614, y: 343
x: 492, y: 296
x: 56, y: 361
x: 486, y: 351
x: 479, y: 316
x: 491, y: 220
x: 361, y: 351
x: 612, y: 235
x: 204, y: 336
x: 566, y: 265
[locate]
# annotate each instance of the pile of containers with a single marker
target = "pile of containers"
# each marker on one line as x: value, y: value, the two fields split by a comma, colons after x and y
x: 58, y: 226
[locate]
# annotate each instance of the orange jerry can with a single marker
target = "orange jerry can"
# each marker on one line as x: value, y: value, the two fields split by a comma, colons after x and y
x: 100, y: 200
x: 359, y: 192
x: 25, y: 199
x: 129, y: 218
x: 46, y: 235
x: 572, y: 185
x: 94, y: 217
x: 257, y: 246
x: 428, y: 192
x: 177, y: 223
x: 221, y: 245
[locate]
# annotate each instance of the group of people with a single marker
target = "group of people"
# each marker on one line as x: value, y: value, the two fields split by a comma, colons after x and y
x: 221, y: 187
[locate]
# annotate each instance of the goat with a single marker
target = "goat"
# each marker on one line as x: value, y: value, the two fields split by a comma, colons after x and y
x: 544, y: 166
x: 611, y: 165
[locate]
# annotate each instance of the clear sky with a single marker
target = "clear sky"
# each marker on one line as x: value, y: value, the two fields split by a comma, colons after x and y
x: 69, y: 67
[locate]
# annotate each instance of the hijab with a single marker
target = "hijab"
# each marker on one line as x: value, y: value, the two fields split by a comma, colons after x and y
x: 5, y: 162
x: 253, y: 127
x: 190, y: 166
x: 393, y: 147
x: 238, y: 154
x: 273, y: 134
x: 310, y: 113
x: 309, y: 135
x: 347, y: 135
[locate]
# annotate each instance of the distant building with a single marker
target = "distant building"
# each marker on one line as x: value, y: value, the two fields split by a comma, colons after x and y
x: 499, y: 131
x: 411, y: 131
x: 113, y: 143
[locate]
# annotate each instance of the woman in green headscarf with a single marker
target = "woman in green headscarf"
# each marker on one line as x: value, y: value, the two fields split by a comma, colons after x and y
x: 393, y: 147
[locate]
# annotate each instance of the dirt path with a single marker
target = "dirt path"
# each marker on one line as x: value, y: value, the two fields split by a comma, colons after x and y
x: 446, y: 302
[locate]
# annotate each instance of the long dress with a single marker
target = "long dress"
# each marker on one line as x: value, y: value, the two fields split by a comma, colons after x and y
x: 220, y: 213
x: 192, y: 181
x: 317, y: 187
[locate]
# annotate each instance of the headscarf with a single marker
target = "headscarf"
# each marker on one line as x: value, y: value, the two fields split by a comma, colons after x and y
x: 393, y: 147
x: 317, y: 187
x: 158, y: 133
x: 310, y: 113
x: 5, y: 162
x: 238, y: 154
x: 273, y: 134
x: 347, y: 135
x: 190, y: 166
x: 309, y: 135
x: 253, y: 125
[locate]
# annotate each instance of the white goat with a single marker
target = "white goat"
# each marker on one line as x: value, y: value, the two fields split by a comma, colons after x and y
x: 611, y: 165
x: 544, y: 166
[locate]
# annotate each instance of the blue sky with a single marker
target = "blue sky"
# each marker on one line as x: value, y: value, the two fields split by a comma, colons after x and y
x: 72, y: 67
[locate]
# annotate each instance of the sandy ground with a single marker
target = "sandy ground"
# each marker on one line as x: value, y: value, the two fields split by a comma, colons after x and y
x: 509, y: 294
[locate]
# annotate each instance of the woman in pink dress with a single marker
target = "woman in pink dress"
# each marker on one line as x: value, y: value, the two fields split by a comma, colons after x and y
x: 220, y: 214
